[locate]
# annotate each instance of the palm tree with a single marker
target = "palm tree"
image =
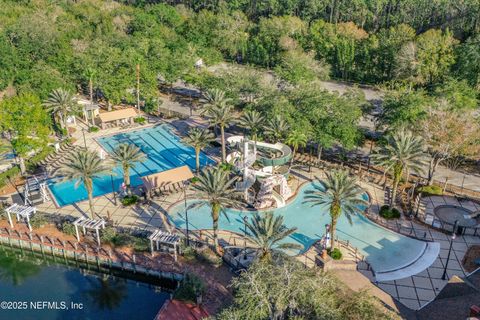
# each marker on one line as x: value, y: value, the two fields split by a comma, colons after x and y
x: 199, y: 139
x: 340, y: 194
x: 296, y: 139
x: 215, y: 98
x: 266, y: 231
x: 402, y: 153
x: 61, y: 103
x: 252, y: 121
x: 15, y: 270
x: 91, y: 73
x: 276, y: 128
x: 215, y: 188
x: 83, y: 166
x: 126, y: 156
x: 221, y: 116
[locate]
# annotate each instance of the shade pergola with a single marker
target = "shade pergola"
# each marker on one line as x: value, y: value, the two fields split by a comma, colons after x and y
x: 164, y: 178
x: 166, y: 238
x: 91, y: 224
x: 117, y: 115
x: 24, y: 212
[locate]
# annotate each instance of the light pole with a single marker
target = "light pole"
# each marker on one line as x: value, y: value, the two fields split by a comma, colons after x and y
x: 444, y: 276
x: 113, y: 190
x: 185, y: 185
x: 245, y: 237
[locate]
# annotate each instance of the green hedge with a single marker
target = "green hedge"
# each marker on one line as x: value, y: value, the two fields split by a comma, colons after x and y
x: 387, y: 213
x: 430, y: 190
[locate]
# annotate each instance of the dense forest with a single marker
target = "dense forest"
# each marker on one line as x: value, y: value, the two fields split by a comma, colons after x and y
x: 426, y: 54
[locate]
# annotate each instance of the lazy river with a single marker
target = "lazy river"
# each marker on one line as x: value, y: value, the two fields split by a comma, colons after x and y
x: 385, y: 250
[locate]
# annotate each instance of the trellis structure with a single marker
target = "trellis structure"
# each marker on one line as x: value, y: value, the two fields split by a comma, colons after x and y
x: 166, y: 238
x: 91, y: 224
x: 24, y: 212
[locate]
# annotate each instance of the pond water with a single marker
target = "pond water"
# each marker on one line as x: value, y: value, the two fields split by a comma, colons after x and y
x: 33, y: 288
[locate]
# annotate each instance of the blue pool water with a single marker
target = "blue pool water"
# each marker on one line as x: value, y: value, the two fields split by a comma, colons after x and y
x: 164, y: 151
x: 385, y: 250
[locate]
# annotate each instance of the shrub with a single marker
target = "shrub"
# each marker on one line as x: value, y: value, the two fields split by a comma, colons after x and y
x: 93, y: 129
x: 141, y: 244
x: 336, y: 254
x: 189, y: 254
x: 68, y: 229
x: 140, y: 120
x: 431, y: 190
x: 207, y: 255
x: 38, y: 221
x: 108, y: 234
x: 388, y: 213
x: 13, y: 173
x: 129, y: 200
x: 194, y: 180
x: 190, y: 288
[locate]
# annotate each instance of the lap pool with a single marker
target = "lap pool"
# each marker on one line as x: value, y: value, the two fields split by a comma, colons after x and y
x: 164, y: 151
x: 385, y: 250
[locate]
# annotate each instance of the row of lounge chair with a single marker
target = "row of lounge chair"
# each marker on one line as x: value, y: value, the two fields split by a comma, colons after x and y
x: 167, y: 189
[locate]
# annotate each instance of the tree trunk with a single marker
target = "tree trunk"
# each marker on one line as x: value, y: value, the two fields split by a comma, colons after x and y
x: 396, y: 181
x: 293, y: 157
x: 434, y: 162
x: 126, y: 178
x: 319, y: 150
x: 197, y: 159
x: 21, y: 163
x: 222, y: 131
x: 333, y: 227
x: 215, y: 216
x: 88, y: 186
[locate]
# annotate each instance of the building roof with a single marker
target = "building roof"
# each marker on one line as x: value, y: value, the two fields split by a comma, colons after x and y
x: 176, y: 310
x: 164, y: 178
x: 118, y: 115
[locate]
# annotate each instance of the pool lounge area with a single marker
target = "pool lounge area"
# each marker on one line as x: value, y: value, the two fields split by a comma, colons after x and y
x: 385, y: 250
x: 164, y: 151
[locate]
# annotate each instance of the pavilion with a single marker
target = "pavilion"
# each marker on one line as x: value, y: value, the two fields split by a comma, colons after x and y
x: 24, y: 212
x: 166, y: 239
x: 164, y: 179
x: 125, y: 116
x: 91, y: 224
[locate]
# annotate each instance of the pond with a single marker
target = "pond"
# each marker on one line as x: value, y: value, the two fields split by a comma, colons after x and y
x: 35, y: 288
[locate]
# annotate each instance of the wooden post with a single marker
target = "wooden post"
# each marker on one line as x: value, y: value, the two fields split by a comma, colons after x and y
x: 98, y: 236
x: 10, y: 219
x: 76, y: 232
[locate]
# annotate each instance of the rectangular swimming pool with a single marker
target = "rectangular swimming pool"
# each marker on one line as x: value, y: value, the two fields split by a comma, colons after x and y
x: 164, y: 151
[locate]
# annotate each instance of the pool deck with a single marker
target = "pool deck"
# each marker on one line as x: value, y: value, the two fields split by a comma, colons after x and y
x: 413, y: 292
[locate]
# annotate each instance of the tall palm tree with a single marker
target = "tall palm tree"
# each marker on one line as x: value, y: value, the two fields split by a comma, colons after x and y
x: 403, y: 152
x: 252, y: 121
x: 61, y: 103
x: 221, y: 116
x: 266, y: 231
x: 15, y: 270
x: 83, y: 166
x: 276, y: 127
x: 215, y: 98
x: 126, y: 156
x: 91, y: 73
x: 199, y: 139
x: 215, y: 188
x: 340, y: 194
x: 296, y: 139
